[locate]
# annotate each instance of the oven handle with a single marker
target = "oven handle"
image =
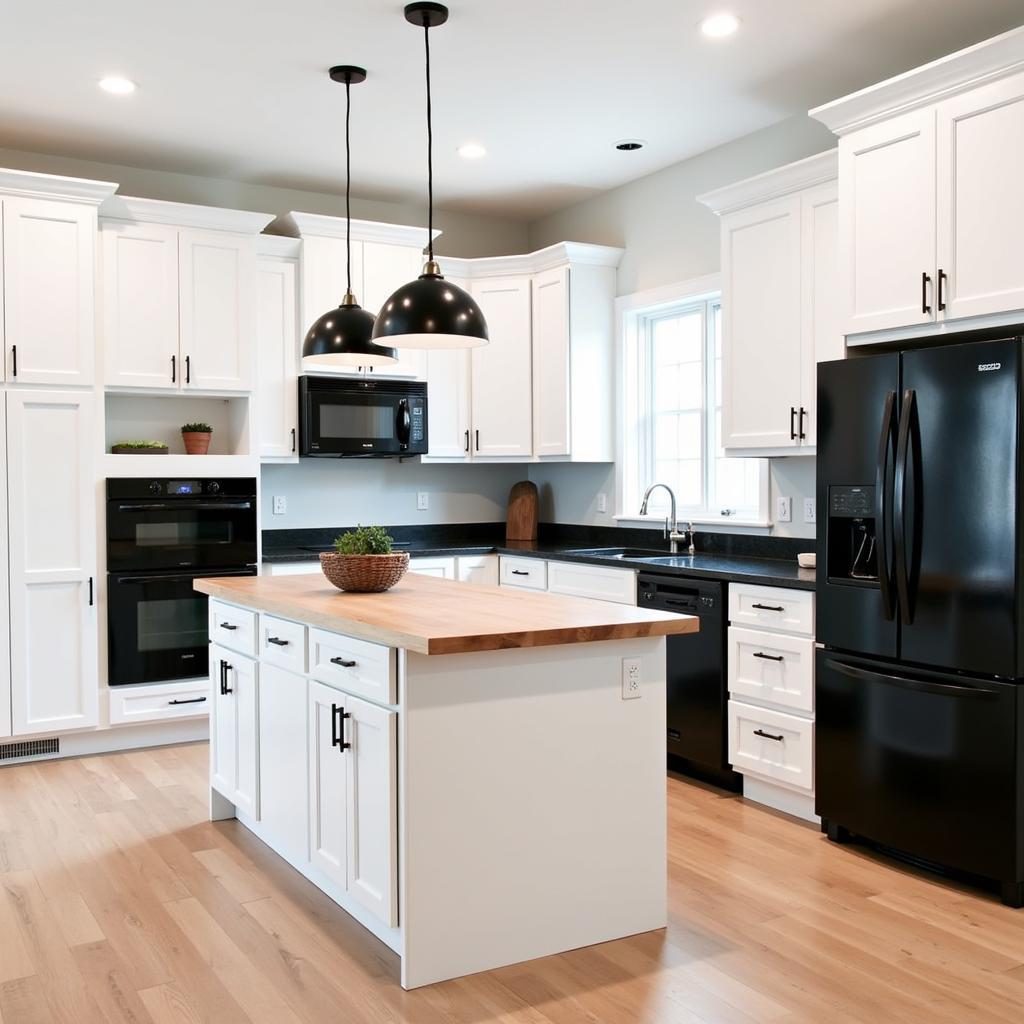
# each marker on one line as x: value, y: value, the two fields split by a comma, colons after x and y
x: 197, y: 575
x: 199, y: 506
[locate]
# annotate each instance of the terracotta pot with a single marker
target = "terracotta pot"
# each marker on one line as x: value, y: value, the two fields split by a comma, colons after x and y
x: 365, y: 574
x: 196, y: 444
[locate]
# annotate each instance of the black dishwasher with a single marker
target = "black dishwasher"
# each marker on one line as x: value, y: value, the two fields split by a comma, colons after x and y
x: 697, y: 690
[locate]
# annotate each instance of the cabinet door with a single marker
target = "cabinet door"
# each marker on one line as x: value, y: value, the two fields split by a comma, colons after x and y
x: 887, y: 223
x: 372, y: 826
x: 551, y: 398
x: 139, y: 327
x: 223, y: 725
x: 49, y: 291
x: 5, y: 635
x: 277, y: 354
x: 385, y: 269
x: 328, y: 785
x: 448, y: 398
x: 444, y: 568
x: 761, y: 325
x: 52, y: 496
x: 821, y: 331
x: 980, y: 200
x: 480, y: 570
x: 323, y: 277
x: 242, y: 679
x: 502, y: 380
x: 217, y: 285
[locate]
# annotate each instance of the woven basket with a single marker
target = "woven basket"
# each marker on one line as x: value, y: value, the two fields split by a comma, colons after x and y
x: 365, y: 574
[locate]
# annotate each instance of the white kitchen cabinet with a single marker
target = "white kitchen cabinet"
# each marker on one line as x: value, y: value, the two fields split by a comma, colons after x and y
x: 277, y: 353
x: 385, y: 269
x: 552, y: 418
x: 780, y: 290
x: 443, y: 567
x: 353, y: 797
x: 525, y: 573
x: 480, y: 570
x: 234, y: 729
x: 160, y: 702
x: 5, y: 635
x: 139, y: 324
x: 575, y: 579
x: 52, y: 538
x: 502, y: 382
x: 49, y: 285
x: 449, y: 428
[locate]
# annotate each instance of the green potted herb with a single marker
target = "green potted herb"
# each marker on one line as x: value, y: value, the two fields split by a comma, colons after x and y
x: 197, y: 438
x: 138, y: 448
x: 363, y: 561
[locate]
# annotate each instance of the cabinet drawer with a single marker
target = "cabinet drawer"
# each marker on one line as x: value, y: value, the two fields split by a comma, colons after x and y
x: 442, y: 567
x: 283, y: 642
x: 791, y: 611
x: 156, y: 703
x: 233, y: 627
x: 771, y: 667
x: 595, y: 581
x: 530, y: 573
x: 771, y: 745
x: 357, y: 666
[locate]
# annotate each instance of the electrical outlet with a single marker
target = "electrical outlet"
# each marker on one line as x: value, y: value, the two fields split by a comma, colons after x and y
x: 630, y: 678
x: 784, y: 509
x: 810, y: 513
x: 602, y: 503
x: 422, y: 501
x: 280, y: 504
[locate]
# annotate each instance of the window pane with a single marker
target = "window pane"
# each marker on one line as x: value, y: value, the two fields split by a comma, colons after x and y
x: 677, y: 339
x: 691, y: 386
x: 690, y: 436
x: 666, y: 434
x: 666, y: 388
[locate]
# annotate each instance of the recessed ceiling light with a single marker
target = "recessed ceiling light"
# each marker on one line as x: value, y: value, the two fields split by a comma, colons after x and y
x: 719, y: 25
x: 628, y: 145
x: 472, y: 151
x: 117, y: 84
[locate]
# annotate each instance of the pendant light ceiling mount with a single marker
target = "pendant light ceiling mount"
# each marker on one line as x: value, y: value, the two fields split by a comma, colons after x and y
x: 347, y: 74
x: 425, y: 14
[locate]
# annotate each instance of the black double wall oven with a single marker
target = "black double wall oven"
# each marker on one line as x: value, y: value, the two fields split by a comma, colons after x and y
x: 161, y: 536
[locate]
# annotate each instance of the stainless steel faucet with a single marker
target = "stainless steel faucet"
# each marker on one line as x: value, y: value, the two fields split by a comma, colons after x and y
x: 671, y: 523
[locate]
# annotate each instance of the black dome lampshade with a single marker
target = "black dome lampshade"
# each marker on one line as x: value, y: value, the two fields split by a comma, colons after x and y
x: 342, y: 337
x: 430, y: 312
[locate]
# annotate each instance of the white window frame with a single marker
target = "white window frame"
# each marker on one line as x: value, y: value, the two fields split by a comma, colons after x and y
x: 631, y: 314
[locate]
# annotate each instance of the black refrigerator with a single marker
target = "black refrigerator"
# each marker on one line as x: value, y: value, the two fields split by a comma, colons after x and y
x: 919, y: 672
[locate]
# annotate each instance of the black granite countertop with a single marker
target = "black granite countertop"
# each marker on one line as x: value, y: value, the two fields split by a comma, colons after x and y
x: 767, y: 561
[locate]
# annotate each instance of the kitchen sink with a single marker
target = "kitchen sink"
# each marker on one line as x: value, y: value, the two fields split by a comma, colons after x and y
x: 633, y: 554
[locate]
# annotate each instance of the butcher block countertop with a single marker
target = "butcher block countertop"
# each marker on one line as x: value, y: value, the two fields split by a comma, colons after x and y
x: 435, y: 616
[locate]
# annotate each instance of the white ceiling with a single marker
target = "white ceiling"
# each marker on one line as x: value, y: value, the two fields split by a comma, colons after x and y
x: 238, y: 88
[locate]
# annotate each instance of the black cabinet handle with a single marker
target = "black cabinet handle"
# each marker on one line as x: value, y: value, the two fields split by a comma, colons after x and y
x: 478, y: 440
x: 925, y: 281
x: 90, y: 592
x: 343, y: 663
x: 188, y: 369
x: 520, y: 572
x: 174, y: 369
x: 224, y: 688
x: 338, y: 717
x: 293, y: 439
x: 277, y: 641
x: 229, y: 626
x: 768, y: 657
x: 800, y: 429
x: 467, y: 440
x: 941, y: 302
x: 768, y: 735
x: 792, y: 423
x: 194, y: 700
x: 14, y: 360
x: 769, y: 607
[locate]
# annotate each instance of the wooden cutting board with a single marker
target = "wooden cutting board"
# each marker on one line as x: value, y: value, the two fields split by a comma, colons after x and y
x: 522, y: 512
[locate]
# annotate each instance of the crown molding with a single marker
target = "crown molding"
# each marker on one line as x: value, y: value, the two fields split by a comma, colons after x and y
x: 280, y: 246
x: 302, y: 224
x: 184, y: 215
x: 782, y: 181
x: 54, y: 186
x: 557, y: 255
x: 966, y: 69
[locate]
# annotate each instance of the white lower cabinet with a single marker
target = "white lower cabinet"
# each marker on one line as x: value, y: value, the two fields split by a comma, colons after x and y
x: 771, y: 744
x: 149, y: 703
x: 234, y: 729
x: 481, y: 570
x: 771, y: 668
x: 527, y: 573
x: 5, y: 636
x: 594, y: 581
x: 442, y: 567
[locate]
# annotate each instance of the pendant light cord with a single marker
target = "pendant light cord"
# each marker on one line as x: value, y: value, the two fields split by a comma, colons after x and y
x: 430, y: 152
x: 348, y: 188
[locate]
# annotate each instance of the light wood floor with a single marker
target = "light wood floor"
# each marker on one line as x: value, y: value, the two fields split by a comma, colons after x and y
x: 120, y: 902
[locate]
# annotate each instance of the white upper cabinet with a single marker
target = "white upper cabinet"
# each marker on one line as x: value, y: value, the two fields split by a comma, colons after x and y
x: 779, y: 303
x: 49, y: 284
x: 551, y: 367
x: 385, y: 269
x: 52, y: 518
x: 931, y: 206
x: 448, y: 405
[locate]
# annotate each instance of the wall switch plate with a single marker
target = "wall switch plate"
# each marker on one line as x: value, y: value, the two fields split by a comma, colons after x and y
x: 630, y: 678
x: 422, y: 501
x: 602, y: 503
x: 810, y: 512
x: 280, y: 504
x: 784, y: 509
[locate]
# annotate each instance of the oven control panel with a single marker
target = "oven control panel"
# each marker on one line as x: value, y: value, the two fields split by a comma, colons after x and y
x: 121, y: 488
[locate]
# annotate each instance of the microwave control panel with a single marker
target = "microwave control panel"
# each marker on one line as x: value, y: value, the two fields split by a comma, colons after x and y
x: 417, y: 410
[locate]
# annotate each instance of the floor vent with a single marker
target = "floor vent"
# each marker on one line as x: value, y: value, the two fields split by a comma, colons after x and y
x: 29, y: 748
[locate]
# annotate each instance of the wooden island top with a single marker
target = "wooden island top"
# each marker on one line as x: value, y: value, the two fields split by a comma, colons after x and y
x: 435, y: 616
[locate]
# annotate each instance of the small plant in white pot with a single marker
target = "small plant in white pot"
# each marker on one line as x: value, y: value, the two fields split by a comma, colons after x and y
x: 363, y: 561
x: 197, y: 438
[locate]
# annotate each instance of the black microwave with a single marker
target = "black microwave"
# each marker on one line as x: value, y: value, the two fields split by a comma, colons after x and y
x: 343, y: 417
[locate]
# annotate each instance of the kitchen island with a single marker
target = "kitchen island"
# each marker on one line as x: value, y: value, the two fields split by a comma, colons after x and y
x: 476, y: 774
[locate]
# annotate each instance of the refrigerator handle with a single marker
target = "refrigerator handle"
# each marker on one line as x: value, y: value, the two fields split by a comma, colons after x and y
x: 900, y: 507
x: 883, y: 520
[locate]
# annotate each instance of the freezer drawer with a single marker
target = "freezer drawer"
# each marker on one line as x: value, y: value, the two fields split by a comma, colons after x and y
x: 928, y: 763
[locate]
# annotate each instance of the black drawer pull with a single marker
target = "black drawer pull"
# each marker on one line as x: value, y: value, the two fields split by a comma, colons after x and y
x: 343, y: 663
x: 194, y: 700
x: 224, y: 688
x: 925, y: 281
x: 338, y: 717
x: 277, y: 641
x: 520, y: 572
x: 769, y: 607
x: 768, y: 657
x: 228, y: 626
x: 768, y: 735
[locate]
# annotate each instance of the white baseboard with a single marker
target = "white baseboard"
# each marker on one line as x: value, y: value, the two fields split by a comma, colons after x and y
x: 780, y: 798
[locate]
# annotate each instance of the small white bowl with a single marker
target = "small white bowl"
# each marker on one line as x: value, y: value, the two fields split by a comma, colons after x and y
x: 807, y: 560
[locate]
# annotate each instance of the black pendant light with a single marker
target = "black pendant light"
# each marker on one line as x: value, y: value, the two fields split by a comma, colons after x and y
x: 430, y: 312
x: 342, y: 336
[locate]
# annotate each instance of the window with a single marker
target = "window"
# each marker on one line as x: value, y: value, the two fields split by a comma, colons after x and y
x: 673, y: 415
